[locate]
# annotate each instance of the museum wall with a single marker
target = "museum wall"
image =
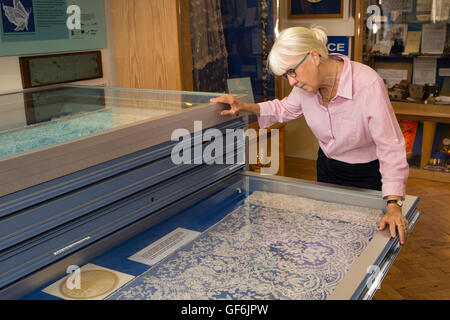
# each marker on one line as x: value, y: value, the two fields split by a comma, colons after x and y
x: 147, y: 44
x: 10, y: 79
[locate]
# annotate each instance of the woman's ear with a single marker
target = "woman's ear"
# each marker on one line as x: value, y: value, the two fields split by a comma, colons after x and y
x: 316, y: 57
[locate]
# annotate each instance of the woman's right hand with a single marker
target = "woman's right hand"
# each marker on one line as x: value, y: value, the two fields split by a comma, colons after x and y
x: 236, y: 106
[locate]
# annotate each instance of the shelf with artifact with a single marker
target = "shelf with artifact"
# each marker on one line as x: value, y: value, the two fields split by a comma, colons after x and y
x: 407, y: 43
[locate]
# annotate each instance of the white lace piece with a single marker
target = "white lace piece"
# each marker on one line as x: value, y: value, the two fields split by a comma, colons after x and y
x: 208, y: 41
x: 273, y: 246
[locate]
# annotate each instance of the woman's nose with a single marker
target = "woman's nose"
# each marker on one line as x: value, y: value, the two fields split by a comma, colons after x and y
x: 292, y: 81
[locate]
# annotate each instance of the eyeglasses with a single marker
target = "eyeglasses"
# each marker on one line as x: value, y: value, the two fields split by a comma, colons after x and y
x: 291, y: 72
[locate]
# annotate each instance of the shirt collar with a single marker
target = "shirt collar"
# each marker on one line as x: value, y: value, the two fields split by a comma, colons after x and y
x: 345, y: 89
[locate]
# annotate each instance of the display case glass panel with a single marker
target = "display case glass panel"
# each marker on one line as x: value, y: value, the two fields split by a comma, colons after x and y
x: 43, y: 118
x: 55, y: 131
x: 407, y: 43
x: 257, y: 237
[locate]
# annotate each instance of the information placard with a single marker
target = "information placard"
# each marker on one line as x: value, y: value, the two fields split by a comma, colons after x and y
x: 40, y: 26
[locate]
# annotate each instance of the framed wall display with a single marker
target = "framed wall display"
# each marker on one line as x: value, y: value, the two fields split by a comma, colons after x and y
x: 45, y: 70
x: 315, y: 9
x: 41, y: 26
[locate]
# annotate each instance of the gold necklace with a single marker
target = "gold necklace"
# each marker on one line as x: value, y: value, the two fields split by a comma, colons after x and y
x: 334, y: 83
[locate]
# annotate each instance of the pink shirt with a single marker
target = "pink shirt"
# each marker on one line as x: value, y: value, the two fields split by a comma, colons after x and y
x: 358, y: 126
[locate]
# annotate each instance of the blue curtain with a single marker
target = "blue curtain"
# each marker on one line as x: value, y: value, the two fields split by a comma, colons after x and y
x: 232, y: 39
x: 249, y: 36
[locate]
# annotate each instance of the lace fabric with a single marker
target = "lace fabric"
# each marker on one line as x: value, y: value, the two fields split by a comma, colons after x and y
x: 208, y: 41
x: 273, y: 246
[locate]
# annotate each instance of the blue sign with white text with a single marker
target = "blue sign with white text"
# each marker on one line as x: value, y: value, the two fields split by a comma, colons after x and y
x: 338, y: 45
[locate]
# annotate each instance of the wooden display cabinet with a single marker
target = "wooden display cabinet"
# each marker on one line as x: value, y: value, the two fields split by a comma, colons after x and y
x: 365, y: 38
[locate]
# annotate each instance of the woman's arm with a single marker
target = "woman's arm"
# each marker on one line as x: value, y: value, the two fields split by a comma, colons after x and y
x: 388, y: 138
x: 391, y: 152
x: 269, y: 112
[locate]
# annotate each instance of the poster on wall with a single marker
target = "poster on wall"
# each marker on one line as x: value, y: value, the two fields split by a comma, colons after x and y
x: 315, y: 9
x: 41, y: 26
x: 338, y: 45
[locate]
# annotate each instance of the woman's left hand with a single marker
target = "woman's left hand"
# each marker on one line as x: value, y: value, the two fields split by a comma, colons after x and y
x: 395, y: 219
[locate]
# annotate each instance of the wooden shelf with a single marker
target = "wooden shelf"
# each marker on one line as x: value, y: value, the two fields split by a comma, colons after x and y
x: 422, y: 112
x: 429, y: 114
x: 406, y: 56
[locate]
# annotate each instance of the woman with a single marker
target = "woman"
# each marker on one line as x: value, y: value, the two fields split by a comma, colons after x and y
x: 347, y: 107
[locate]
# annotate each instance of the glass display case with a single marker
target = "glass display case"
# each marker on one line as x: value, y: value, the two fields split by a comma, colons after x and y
x: 47, y: 133
x: 75, y: 160
x: 408, y: 43
x: 88, y: 178
x: 250, y: 237
x: 64, y: 114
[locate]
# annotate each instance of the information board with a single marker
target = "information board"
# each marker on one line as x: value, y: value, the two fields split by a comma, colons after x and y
x: 40, y: 26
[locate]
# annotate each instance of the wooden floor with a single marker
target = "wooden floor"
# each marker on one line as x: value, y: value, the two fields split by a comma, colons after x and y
x: 422, y: 268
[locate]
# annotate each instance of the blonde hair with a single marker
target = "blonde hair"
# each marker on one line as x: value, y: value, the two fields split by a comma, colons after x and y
x: 296, y: 41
